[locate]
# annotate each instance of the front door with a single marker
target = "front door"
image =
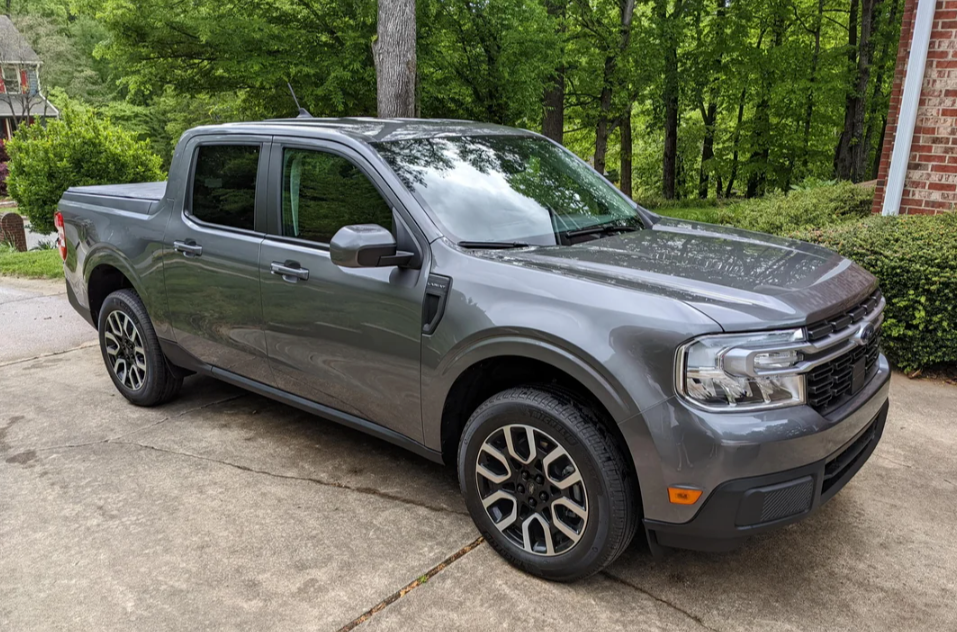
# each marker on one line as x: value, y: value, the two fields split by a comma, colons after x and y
x: 345, y: 338
x: 211, y: 257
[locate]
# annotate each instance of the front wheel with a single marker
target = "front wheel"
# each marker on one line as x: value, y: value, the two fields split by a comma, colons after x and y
x: 547, y: 484
x: 132, y: 352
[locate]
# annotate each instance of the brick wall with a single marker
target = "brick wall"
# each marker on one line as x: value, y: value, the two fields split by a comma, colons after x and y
x: 930, y: 185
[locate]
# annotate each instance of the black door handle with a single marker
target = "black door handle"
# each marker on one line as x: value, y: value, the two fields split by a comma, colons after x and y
x: 289, y: 270
x: 189, y: 248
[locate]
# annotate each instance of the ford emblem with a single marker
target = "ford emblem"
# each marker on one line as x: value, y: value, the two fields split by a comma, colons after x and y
x: 865, y: 334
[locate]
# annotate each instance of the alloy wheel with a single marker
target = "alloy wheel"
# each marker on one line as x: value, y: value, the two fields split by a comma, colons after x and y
x: 532, y: 490
x: 124, y: 346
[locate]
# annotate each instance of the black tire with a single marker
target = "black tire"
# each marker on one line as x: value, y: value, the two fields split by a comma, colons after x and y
x: 156, y: 384
x: 609, y: 489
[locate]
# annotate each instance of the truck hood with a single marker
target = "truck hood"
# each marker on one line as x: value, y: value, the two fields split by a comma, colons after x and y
x: 741, y: 279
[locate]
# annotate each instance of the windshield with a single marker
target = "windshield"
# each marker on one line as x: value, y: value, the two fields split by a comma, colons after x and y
x: 507, y: 188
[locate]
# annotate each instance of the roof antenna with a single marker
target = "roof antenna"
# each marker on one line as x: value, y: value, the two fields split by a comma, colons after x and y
x: 303, y: 112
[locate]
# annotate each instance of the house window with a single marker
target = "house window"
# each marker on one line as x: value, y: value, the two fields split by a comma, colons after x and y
x: 11, y: 80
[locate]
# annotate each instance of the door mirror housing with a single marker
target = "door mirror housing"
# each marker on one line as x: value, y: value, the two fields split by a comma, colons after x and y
x: 366, y: 246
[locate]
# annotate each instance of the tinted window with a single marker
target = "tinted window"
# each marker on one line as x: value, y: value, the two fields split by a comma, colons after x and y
x: 224, y: 185
x: 506, y: 188
x: 323, y: 192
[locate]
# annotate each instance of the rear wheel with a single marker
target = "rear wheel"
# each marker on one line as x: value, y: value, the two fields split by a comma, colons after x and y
x: 546, y: 484
x: 132, y: 353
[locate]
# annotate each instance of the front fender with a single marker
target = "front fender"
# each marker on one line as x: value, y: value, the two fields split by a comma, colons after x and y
x: 438, y: 380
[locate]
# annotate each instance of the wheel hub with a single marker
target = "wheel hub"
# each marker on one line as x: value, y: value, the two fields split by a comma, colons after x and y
x: 532, y: 490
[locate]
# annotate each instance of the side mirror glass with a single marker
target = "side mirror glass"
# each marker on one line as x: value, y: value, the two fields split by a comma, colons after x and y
x: 366, y: 246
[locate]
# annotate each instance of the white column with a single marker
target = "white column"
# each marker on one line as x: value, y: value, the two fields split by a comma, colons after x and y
x: 910, y: 99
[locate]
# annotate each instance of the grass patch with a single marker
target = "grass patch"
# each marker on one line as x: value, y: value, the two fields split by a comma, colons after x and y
x: 34, y: 264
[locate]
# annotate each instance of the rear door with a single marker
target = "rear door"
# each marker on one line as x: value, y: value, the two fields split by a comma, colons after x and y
x: 345, y: 338
x: 212, y: 247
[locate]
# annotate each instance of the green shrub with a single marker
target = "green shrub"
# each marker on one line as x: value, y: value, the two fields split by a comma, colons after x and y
x: 813, y: 205
x: 915, y: 259
x: 801, y: 209
x: 76, y: 150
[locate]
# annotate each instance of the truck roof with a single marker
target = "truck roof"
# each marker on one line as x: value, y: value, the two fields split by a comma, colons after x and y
x: 371, y: 130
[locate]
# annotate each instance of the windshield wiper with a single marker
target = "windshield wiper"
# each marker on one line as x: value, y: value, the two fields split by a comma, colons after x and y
x: 606, y: 229
x: 497, y: 245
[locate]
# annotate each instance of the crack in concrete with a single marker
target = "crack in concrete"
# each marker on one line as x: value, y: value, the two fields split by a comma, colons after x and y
x: 33, y: 298
x: 890, y: 460
x: 402, y: 592
x: 306, y: 479
x: 85, y: 345
x: 114, y: 439
x: 661, y: 600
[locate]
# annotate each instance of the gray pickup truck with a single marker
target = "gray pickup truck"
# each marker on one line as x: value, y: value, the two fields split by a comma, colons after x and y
x: 480, y: 296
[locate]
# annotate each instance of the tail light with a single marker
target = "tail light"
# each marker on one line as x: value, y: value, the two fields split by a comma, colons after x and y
x: 60, y: 234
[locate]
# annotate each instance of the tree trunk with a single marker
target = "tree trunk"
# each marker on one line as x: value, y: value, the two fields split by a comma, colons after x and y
x: 601, y: 128
x: 877, y: 108
x: 669, y: 157
x: 850, y: 159
x: 735, y: 142
x: 809, y: 100
x: 759, y: 161
x: 608, y: 78
x: 553, y: 102
x: 709, y: 112
x: 394, y: 53
x: 553, y: 122
x: 626, y: 152
x: 708, y: 117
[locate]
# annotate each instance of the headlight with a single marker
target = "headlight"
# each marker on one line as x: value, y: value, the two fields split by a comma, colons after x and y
x: 715, y: 372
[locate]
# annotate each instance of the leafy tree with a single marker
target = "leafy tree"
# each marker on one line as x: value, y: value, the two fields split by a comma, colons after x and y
x: 81, y: 148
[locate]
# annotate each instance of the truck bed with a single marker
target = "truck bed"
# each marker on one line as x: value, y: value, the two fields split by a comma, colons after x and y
x: 140, y: 197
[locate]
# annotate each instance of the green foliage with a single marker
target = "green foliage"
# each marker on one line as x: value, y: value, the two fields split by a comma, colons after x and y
x: 818, y: 207
x: 915, y: 260
x: 35, y: 264
x: 76, y: 150
x: 812, y: 205
x: 487, y: 61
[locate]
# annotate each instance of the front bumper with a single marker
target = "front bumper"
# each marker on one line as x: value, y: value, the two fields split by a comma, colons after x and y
x: 744, y: 507
x: 673, y: 445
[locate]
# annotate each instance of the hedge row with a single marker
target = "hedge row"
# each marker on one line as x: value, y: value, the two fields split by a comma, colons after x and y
x: 803, y: 209
x: 915, y: 259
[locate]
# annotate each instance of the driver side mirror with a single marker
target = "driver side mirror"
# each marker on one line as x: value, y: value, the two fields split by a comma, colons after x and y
x: 366, y: 246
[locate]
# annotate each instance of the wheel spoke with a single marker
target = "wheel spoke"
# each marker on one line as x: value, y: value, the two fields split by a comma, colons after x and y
x: 529, y: 436
x: 546, y: 529
x: 121, y: 370
x: 508, y: 520
x: 569, y: 479
x: 113, y: 345
x: 561, y: 525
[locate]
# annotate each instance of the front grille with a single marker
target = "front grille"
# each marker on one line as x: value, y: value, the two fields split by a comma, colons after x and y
x: 832, y: 383
x: 823, y: 328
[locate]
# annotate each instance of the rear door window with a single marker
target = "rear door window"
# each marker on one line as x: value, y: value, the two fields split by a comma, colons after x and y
x: 224, y: 185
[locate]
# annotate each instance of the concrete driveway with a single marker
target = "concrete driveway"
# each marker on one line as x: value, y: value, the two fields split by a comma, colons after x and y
x: 224, y: 510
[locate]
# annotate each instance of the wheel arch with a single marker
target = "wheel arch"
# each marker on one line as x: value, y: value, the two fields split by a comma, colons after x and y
x: 492, y: 365
x: 105, y: 272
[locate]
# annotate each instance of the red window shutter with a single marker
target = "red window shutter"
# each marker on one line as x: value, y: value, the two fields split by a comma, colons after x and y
x: 24, y: 81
